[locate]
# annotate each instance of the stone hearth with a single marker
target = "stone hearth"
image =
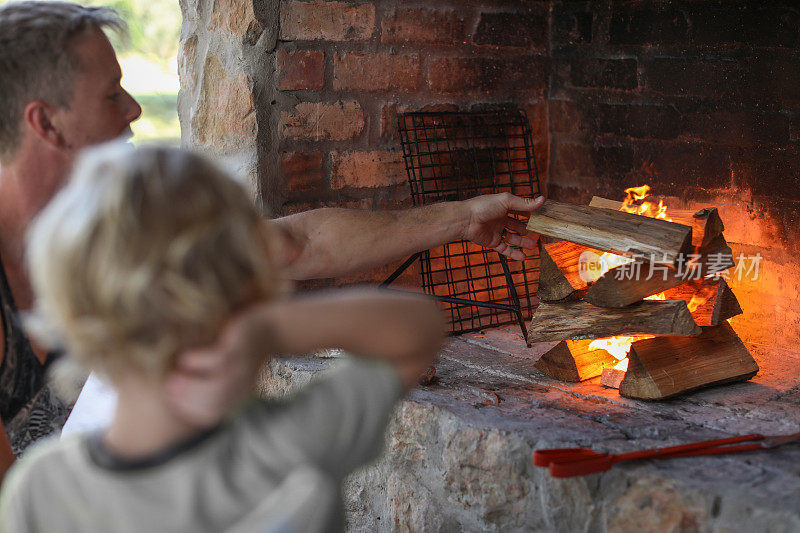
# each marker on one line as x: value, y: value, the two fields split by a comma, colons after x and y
x: 458, y: 453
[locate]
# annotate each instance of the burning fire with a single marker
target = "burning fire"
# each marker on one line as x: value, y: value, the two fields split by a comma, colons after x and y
x: 636, y: 203
x: 620, y: 346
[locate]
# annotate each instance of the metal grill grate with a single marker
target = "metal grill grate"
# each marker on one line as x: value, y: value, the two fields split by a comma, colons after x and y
x: 456, y: 156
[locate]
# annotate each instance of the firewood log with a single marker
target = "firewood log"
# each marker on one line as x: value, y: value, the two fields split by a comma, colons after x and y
x: 663, y: 367
x: 628, y: 284
x: 581, y: 320
x: 573, y: 361
x: 715, y: 298
x: 706, y: 223
x: 615, y: 231
x: 558, y: 271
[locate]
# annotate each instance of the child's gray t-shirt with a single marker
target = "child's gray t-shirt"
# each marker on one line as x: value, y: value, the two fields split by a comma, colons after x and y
x: 277, y: 466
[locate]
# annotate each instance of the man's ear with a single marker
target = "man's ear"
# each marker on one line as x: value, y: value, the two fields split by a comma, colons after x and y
x: 38, y: 115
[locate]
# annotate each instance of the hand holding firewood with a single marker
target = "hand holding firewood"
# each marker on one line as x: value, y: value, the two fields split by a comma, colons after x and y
x: 493, y: 223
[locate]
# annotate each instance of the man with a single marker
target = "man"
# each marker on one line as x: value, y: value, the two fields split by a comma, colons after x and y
x: 60, y: 93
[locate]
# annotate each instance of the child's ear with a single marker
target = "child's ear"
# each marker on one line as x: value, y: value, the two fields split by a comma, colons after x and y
x: 39, y: 116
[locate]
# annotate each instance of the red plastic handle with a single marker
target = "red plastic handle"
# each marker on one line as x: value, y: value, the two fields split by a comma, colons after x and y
x: 591, y: 465
x: 545, y: 457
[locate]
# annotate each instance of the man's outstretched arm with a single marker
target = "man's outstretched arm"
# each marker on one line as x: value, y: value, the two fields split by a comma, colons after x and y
x: 333, y: 242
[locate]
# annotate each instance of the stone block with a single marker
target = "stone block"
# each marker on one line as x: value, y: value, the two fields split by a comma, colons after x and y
x: 422, y: 26
x: 302, y: 171
x: 653, y: 504
x: 512, y: 29
x: 376, y: 72
x: 322, y: 121
x: 225, y: 118
x: 232, y: 16
x: 326, y: 21
x: 378, y: 168
x: 652, y: 26
x: 605, y: 73
x: 304, y: 69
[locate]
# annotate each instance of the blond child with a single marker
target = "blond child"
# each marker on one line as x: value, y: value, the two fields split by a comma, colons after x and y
x: 149, y: 253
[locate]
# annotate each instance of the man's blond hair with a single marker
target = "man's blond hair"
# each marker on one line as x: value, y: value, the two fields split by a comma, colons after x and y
x: 145, y: 253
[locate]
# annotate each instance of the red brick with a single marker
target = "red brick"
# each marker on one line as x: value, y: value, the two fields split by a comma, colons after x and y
x: 322, y: 121
x: 526, y: 74
x: 326, y: 21
x: 537, y: 116
x: 390, y: 111
x: 375, y: 72
x: 367, y: 169
x: 422, y: 26
x: 301, y: 70
x: 302, y: 171
x: 512, y: 29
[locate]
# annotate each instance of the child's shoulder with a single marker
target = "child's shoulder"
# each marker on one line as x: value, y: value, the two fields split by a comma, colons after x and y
x: 45, y: 459
x: 34, y: 474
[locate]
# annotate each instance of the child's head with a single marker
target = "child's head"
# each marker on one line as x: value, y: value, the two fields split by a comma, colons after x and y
x: 144, y: 253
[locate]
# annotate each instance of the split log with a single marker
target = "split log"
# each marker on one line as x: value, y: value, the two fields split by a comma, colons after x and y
x: 573, y: 361
x: 663, y: 367
x: 612, y: 377
x: 580, y: 320
x: 713, y: 300
x: 553, y: 285
x: 706, y: 223
x: 631, y: 283
x: 558, y: 271
x: 615, y: 231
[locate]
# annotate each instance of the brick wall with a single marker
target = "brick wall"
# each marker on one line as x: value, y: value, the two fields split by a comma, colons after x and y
x: 346, y: 69
x: 698, y: 98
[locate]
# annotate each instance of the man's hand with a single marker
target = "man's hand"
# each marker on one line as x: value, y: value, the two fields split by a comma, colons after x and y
x: 208, y: 383
x: 492, y: 225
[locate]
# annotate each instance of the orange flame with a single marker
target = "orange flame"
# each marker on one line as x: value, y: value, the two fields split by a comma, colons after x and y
x: 635, y: 203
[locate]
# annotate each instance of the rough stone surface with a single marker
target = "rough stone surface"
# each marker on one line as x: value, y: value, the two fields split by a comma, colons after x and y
x: 458, y: 452
x: 234, y: 16
x: 225, y: 118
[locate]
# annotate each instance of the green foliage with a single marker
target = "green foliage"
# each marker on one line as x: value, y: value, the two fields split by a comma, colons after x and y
x: 155, y: 26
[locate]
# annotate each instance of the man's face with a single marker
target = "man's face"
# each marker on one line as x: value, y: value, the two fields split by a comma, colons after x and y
x: 101, y: 110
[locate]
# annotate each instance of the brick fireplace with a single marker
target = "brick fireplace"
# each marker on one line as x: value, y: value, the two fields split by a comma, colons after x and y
x: 698, y: 99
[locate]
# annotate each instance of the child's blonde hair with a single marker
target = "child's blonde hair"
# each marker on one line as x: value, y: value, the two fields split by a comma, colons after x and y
x: 144, y: 253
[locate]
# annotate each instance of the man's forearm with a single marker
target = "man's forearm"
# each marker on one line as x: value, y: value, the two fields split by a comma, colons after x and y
x: 335, y: 242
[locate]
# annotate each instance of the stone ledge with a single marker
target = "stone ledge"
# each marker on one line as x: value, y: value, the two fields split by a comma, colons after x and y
x: 458, y: 453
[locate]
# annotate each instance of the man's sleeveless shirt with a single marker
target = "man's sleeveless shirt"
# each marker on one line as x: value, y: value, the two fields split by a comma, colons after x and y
x: 29, y: 408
